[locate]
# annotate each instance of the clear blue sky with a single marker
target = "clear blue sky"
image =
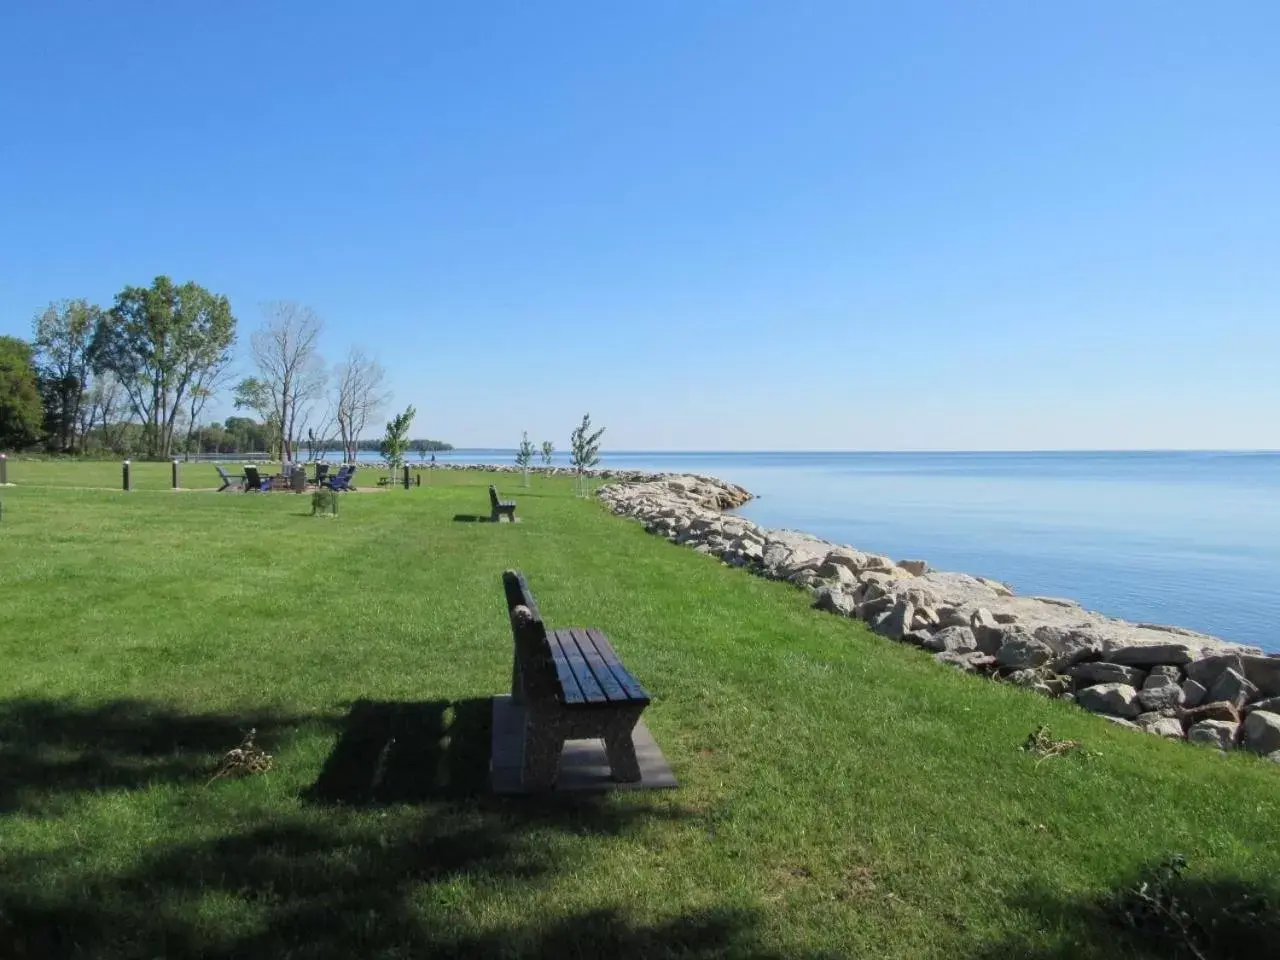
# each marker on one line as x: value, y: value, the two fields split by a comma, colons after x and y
x: 723, y: 225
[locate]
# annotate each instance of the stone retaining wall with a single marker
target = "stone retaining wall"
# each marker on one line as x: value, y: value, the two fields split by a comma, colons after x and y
x: 1165, y: 680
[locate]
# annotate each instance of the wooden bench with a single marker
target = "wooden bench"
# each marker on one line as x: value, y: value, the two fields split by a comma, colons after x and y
x: 572, y: 686
x: 499, y: 507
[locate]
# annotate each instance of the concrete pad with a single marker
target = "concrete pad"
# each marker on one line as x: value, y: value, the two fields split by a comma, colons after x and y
x: 583, y: 764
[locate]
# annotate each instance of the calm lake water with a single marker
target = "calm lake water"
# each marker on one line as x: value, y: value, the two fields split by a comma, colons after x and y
x: 1191, y: 539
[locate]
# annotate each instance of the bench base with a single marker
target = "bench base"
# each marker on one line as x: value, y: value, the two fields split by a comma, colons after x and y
x: 583, y: 765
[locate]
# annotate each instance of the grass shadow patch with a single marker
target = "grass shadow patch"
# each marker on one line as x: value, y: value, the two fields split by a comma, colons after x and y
x: 1161, y: 911
x: 54, y: 747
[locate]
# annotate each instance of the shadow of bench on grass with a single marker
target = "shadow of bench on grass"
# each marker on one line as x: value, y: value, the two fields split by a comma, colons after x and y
x: 390, y: 752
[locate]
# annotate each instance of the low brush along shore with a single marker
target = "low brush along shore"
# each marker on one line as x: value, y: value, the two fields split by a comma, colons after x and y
x: 840, y: 795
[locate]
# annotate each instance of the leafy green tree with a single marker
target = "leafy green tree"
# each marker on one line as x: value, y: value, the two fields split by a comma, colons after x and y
x: 585, y: 447
x: 524, y: 456
x: 548, y: 451
x: 396, y: 440
x: 160, y: 343
x: 21, y: 411
x: 64, y: 339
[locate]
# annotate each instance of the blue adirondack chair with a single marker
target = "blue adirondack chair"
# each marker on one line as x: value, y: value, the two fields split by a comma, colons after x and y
x: 341, y: 481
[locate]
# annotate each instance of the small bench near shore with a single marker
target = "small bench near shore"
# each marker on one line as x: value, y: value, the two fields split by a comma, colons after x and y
x: 569, y: 685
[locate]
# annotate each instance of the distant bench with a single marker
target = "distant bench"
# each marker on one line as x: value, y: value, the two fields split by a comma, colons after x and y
x: 573, y: 687
x: 499, y: 507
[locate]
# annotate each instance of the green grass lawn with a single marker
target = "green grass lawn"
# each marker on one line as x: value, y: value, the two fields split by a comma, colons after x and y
x: 840, y: 795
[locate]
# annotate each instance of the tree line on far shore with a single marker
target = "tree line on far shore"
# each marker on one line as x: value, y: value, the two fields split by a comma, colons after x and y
x: 134, y: 379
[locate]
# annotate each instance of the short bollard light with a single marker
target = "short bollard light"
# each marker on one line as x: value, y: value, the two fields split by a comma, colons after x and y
x: 126, y: 477
x: 4, y: 470
x: 177, y: 475
x: 406, y: 476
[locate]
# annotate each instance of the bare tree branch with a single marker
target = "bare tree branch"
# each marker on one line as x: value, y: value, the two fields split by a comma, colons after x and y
x: 358, y: 398
x: 292, y: 372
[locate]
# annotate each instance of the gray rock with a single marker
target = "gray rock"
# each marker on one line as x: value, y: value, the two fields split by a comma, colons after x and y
x: 1214, y: 733
x: 1262, y: 731
x: 1193, y: 693
x: 917, y: 568
x: 981, y: 621
x: 1117, y: 699
x: 1263, y: 673
x: 875, y: 607
x: 1023, y: 652
x: 1166, y: 727
x: 974, y: 660
x: 1220, y: 710
x: 1088, y: 674
x: 927, y: 617
x: 1120, y: 721
x: 955, y: 617
x: 1027, y: 678
x: 898, y: 620
x: 1005, y: 617
x: 852, y: 560
x: 918, y: 638
x: 834, y: 600
x: 1069, y: 646
x: 1233, y: 688
x: 1167, y: 670
x: 1271, y: 705
x: 1146, y: 655
x: 837, y: 573
x: 957, y: 639
x: 1000, y: 589
x: 873, y: 576
x: 1160, y: 692
x: 1207, y: 670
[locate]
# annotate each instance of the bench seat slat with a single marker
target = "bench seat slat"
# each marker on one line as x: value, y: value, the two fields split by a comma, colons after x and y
x: 630, y: 684
x: 599, y: 669
x: 569, y: 688
x: 591, y: 691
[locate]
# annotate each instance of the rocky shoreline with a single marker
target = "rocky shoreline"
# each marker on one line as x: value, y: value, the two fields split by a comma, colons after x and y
x: 620, y: 476
x: 1165, y: 680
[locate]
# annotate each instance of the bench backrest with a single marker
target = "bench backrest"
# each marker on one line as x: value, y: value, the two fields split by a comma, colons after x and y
x: 222, y: 472
x: 529, y: 633
x: 251, y: 476
x: 493, y: 501
x: 322, y: 471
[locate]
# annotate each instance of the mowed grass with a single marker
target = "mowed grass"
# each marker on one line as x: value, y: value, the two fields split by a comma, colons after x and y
x: 840, y: 795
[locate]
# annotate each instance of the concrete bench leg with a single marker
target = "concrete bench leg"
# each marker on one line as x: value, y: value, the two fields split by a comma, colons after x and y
x: 517, y: 691
x: 541, y: 761
x: 621, y: 750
